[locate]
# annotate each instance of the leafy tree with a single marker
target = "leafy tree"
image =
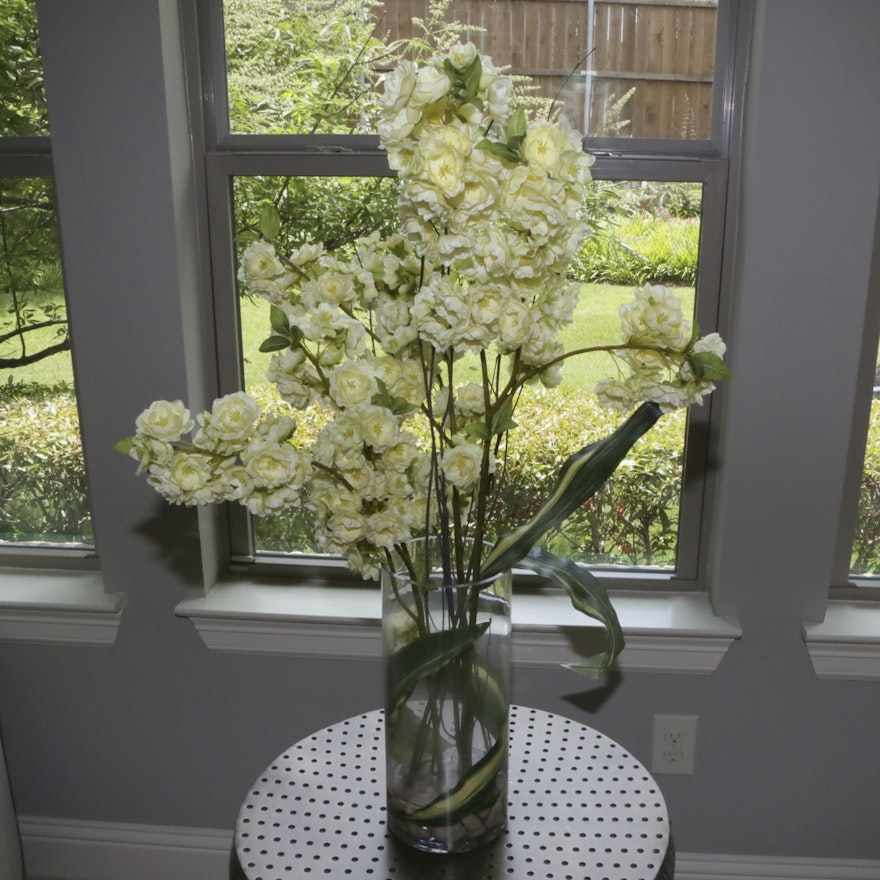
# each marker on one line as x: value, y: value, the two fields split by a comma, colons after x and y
x: 33, y: 323
x: 303, y: 66
x: 22, y: 99
x: 308, y: 67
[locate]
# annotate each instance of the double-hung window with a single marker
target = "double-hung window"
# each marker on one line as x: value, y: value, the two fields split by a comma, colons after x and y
x: 290, y: 104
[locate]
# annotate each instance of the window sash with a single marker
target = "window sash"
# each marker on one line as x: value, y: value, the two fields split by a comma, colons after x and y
x: 732, y: 17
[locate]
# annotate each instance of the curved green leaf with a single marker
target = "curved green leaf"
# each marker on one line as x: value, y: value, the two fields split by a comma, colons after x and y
x: 588, y: 596
x: 580, y: 478
x: 270, y: 221
x: 475, y: 791
x: 423, y: 656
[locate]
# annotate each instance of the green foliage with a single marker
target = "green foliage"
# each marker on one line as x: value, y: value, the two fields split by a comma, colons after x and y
x: 302, y: 66
x: 43, y: 492
x: 33, y: 320
x: 866, y: 544
x: 641, y: 250
x: 333, y: 210
x: 646, y: 233
x: 632, y: 520
x: 22, y: 99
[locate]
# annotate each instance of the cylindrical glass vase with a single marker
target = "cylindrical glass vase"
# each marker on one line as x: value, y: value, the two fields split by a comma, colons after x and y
x: 447, y: 663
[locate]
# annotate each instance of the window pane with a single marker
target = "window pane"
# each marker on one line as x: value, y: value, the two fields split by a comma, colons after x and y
x: 865, y: 560
x: 622, y: 69
x: 643, y: 233
x: 22, y: 99
x: 43, y: 494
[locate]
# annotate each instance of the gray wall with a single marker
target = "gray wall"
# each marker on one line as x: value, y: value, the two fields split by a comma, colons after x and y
x: 159, y: 730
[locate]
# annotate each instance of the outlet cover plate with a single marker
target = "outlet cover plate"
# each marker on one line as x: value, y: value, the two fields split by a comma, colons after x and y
x: 674, y: 744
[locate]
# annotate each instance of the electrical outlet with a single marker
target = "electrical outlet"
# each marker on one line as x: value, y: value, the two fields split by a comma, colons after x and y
x: 674, y: 744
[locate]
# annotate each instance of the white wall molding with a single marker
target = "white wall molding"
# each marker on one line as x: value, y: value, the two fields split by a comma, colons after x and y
x: 705, y: 866
x: 665, y: 632
x: 58, y: 608
x: 846, y: 644
x: 70, y: 849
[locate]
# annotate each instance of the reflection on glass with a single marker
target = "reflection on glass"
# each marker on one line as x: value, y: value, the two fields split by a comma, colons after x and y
x: 643, y: 233
x: 43, y: 494
x: 620, y: 69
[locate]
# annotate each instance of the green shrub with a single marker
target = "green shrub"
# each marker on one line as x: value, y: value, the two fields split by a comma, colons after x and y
x: 43, y: 491
x: 640, y: 249
x: 632, y: 521
x: 866, y: 542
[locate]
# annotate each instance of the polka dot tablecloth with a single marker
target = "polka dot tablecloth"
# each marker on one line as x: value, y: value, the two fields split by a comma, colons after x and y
x: 580, y: 808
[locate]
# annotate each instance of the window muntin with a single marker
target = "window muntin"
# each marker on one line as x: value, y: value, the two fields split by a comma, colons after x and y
x: 342, y: 155
x: 621, y: 69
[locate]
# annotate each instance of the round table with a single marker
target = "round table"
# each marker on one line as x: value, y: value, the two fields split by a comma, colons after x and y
x: 580, y: 808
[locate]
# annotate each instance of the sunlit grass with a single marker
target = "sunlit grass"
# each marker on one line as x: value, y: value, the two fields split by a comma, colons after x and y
x: 596, y: 323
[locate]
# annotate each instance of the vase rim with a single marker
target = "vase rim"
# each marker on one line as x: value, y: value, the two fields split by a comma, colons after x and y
x: 405, y: 575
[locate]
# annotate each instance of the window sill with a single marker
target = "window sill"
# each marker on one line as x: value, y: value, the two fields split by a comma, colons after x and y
x: 58, y: 608
x: 664, y: 632
x: 846, y: 644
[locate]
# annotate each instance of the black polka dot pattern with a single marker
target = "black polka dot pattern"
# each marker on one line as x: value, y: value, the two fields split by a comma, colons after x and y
x: 580, y: 806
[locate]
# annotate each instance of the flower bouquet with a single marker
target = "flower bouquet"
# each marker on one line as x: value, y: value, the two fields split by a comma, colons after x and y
x: 419, y: 345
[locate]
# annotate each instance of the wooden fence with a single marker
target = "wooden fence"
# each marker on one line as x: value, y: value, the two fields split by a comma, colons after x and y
x: 639, y: 68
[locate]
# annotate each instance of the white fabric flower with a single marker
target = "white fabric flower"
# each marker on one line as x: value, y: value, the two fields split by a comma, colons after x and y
x: 461, y: 465
x: 231, y: 422
x: 379, y: 427
x: 165, y: 420
x: 352, y: 383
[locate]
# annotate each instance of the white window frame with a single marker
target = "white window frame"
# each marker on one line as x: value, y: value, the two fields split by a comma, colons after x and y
x: 247, y: 611
x: 703, y: 161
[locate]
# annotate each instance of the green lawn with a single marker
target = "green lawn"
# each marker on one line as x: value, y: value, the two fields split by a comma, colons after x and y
x: 596, y: 322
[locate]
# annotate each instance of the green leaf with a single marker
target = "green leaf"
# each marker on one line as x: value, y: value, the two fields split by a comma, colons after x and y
x: 502, y: 419
x: 588, y: 596
x: 270, y: 221
x: 279, y: 321
x: 709, y: 366
x: 397, y: 405
x: 517, y: 127
x: 472, y: 77
x: 477, y: 429
x: 275, y: 343
x: 477, y: 790
x: 500, y: 150
x: 124, y: 445
x: 424, y: 656
x: 580, y: 477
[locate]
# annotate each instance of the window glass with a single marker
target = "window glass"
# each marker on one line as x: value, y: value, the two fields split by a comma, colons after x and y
x: 622, y: 69
x: 865, y: 558
x: 22, y: 99
x: 43, y: 495
x: 645, y: 232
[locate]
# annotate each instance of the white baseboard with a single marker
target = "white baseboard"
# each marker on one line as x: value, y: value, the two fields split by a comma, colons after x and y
x: 704, y: 866
x: 69, y: 849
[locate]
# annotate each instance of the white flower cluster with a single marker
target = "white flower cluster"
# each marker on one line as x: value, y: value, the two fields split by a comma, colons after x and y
x: 236, y: 454
x: 666, y: 363
x: 496, y: 221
